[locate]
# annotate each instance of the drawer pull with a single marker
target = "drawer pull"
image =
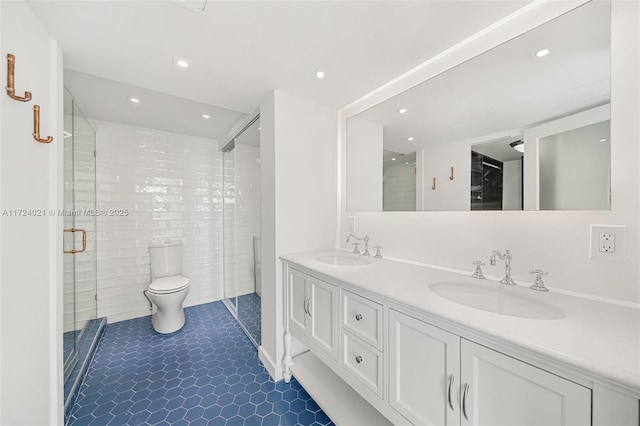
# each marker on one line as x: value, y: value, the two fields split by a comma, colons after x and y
x: 464, y: 400
x: 358, y: 317
x: 359, y: 359
x: 451, y: 380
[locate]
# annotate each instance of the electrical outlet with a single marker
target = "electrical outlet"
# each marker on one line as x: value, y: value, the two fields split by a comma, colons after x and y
x: 607, y: 242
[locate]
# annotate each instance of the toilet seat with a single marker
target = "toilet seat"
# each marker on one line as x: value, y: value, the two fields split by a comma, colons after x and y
x: 167, y: 285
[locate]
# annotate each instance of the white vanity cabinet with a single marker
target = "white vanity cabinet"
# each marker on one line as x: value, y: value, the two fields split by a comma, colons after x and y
x: 375, y: 361
x: 439, y: 378
x: 362, y: 354
x: 500, y: 390
x: 313, y: 310
x: 424, y: 366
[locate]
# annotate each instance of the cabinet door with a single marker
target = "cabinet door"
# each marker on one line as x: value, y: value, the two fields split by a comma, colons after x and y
x: 322, y: 308
x: 297, y: 288
x: 422, y: 361
x: 505, y: 391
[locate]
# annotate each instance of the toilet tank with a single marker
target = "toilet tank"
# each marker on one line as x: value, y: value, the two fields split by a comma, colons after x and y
x: 166, y: 258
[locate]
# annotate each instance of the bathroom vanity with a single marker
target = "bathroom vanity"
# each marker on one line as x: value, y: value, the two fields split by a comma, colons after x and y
x: 427, y: 346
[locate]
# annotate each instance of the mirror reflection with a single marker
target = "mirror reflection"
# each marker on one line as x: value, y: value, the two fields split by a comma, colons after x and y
x: 516, y: 124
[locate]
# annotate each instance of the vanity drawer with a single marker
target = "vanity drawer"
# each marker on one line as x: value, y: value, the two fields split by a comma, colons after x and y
x: 363, y: 318
x: 363, y: 361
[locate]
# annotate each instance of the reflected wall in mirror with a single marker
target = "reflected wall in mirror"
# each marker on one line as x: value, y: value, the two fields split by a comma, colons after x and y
x: 479, y: 112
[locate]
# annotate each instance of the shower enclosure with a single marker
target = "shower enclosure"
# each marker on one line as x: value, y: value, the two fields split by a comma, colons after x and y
x: 79, y: 259
x: 241, y: 230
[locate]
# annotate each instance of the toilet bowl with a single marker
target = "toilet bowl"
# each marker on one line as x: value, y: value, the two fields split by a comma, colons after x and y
x: 168, y: 288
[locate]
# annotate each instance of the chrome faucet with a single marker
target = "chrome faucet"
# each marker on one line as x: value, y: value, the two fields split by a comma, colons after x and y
x: 366, y: 244
x: 507, y: 256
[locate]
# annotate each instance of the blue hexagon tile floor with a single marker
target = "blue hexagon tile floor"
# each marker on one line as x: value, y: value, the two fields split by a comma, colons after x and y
x: 250, y: 312
x: 208, y: 373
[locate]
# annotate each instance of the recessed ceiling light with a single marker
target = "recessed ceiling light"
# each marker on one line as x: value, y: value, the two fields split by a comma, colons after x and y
x: 66, y: 134
x: 407, y: 163
x: 402, y: 110
x: 603, y: 140
x: 259, y: 128
x: 320, y: 74
x: 393, y: 159
x: 206, y: 116
x: 543, y: 52
x: 181, y: 62
x: 410, y: 138
x: 134, y: 100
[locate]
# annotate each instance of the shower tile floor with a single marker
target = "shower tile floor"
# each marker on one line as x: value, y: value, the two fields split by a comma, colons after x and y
x: 208, y: 373
x: 250, y: 313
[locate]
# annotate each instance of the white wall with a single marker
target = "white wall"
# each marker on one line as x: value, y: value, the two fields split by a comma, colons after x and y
x: 299, y: 178
x: 30, y: 246
x: 512, y: 185
x: 558, y: 241
x: 449, y: 195
x: 365, y: 153
x: 172, y: 187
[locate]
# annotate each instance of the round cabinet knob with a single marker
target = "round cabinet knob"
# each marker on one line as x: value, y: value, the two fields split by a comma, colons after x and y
x: 359, y: 359
x: 358, y: 317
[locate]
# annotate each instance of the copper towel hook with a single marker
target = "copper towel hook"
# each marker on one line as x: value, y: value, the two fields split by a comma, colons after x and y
x: 11, y: 91
x: 36, y: 126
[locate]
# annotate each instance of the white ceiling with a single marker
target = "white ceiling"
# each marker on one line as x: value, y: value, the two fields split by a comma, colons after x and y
x: 241, y: 50
x: 104, y: 99
x: 507, y: 89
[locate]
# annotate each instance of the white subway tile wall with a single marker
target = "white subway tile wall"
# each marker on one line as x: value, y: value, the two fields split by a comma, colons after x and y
x: 399, y: 188
x: 171, y: 186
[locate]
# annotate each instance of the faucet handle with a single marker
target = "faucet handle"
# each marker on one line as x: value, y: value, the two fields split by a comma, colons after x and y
x: 378, y: 254
x: 478, y: 273
x: 538, y: 284
x: 356, y: 250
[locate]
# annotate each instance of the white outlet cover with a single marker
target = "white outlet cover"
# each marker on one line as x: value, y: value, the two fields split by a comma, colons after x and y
x: 594, y: 245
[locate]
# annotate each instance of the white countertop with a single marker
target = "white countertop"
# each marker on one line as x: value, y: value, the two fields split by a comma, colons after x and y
x: 600, y: 339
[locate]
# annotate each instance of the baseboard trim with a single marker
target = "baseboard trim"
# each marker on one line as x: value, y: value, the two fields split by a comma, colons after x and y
x: 274, y: 369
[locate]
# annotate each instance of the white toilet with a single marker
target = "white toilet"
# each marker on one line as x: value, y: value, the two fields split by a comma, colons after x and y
x: 168, y: 288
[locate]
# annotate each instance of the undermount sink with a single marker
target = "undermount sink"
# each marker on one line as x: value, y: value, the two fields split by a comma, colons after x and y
x: 499, y: 299
x: 342, y: 260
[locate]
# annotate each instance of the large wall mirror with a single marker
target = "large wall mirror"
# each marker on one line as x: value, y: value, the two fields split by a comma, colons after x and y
x: 524, y: 126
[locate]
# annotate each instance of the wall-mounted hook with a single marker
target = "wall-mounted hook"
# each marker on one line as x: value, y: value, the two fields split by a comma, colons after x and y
x: 36, y: 126
x: 451, y: 177
x: 434, y: 184
x: 11, y: 91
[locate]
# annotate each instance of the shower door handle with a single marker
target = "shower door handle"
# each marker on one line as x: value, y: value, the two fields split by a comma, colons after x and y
x: 84, y: 240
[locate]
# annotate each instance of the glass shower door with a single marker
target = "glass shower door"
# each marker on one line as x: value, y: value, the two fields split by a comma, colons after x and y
x: 80, y: 216
x: 70, y: 350
x: 228, y: 231
x: 247, y: 225
x: 242, y: 268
